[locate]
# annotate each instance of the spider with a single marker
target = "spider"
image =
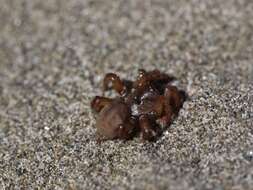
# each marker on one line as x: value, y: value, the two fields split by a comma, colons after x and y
x: 140, y: 107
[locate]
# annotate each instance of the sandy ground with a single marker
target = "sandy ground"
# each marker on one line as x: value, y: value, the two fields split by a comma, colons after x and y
x: 53, y: 56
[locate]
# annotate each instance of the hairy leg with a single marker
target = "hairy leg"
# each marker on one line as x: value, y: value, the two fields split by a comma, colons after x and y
x: 99, y: 102
x: 147, y: 127
x: 116, y: 82
x: 153, y: 78
x: 127, y: 129
x: 169, y: 104
x: 163, y: 110
x: 156, y: 75
x: 174, y: 98
x: 141, y: 81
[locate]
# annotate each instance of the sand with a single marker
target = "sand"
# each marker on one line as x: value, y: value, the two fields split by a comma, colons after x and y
x: 53, y: 56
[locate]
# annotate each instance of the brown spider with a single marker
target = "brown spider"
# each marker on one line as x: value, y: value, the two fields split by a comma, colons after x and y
x: 142, y: 103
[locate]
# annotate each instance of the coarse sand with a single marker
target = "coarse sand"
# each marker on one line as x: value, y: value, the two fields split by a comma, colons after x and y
x: 53, y: 55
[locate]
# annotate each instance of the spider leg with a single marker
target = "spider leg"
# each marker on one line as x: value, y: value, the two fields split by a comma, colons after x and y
x: 152, y: 78
x: 163, y: 110
x: 167, y: 115
x: 174, y: 98
x: 147, y: 127
x: 127, y: 129
x: 116, y: 82
x: 142, y: 81
x: 173, y: 101
x: 156, y: 75
x: 99, y: 102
